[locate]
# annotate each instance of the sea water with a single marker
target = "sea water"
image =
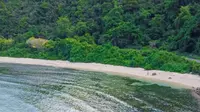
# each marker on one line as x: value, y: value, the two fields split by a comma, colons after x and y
x: 27, y: 88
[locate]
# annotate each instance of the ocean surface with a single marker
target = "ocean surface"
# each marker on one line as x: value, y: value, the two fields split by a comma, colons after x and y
x: 28, y: 88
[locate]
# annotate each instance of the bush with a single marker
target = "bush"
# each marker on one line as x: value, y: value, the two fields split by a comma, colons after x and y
x: 5, y: 43
x: 175, y: 67
x: 36, y: 43
x: 195, y: 67
x: 76, y: 51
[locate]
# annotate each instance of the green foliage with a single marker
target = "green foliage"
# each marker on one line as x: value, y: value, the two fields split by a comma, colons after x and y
x: 176, y: 67
x: 5, y: 43
x: 162, y: 57
x: 89, y: 25
x: 81, y: 28
x: 144, y: 13
x: 130, y: 5
x: 124, y: 34
x: 195, y: 67
x: 76, y: 51
x: 183, y: 16
x: 150, y: 59
x: 45, y: 5
x: 113, y: 18
x: 85, y: 38
x: 64, y: 27
x: 173, y: 24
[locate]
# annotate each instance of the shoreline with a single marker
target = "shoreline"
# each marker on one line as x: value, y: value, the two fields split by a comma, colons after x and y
x: 187, y: 81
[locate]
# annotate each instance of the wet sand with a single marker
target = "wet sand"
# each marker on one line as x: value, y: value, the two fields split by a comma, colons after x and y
x: 187, y: 81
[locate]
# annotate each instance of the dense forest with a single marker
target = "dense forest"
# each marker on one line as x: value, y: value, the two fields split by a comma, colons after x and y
x: 136, y: 33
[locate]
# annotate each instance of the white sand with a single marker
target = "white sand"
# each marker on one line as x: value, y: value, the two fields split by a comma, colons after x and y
x: 180, y: 80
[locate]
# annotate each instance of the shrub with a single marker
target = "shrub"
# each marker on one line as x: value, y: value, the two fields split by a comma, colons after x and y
x: 195, y: 67
x: 36, y: 43
x: 5, y: 43
x: 76, y: 51
x: 175, y: 67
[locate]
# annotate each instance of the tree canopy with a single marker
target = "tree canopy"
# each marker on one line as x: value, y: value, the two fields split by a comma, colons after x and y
x: 94, y: 30
x: 172, y: 24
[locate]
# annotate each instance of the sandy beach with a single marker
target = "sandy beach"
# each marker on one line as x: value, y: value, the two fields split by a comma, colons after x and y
x: 188, y: 81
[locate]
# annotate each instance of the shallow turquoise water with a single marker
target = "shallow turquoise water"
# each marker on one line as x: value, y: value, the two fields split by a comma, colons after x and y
x: 25, y: 88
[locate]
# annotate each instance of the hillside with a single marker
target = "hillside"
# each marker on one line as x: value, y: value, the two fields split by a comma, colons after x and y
x: 92, y: 26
